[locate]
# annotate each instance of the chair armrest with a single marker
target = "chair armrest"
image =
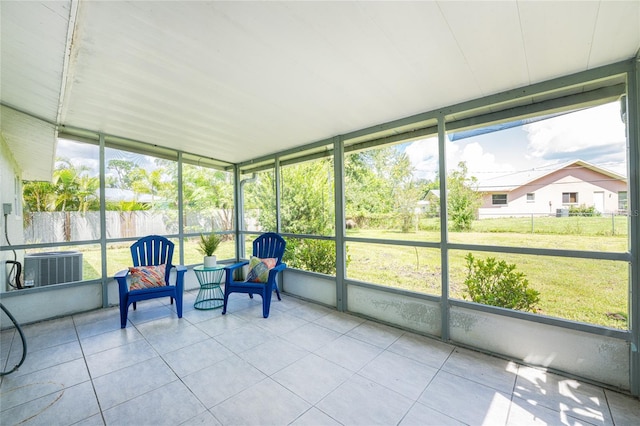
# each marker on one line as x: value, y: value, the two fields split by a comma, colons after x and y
x: 232, y: 268
x: 121, y: 277
x: 121, y: 274
x: 274, y: 271
x: 280, y: 267
x: 180, y: 271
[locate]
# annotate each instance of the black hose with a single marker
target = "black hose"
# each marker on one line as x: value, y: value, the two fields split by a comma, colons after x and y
x: 24, y: 342
x: 16, y: 279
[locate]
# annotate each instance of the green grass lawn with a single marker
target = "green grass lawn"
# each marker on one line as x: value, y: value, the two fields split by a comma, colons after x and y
x: 591, y: 291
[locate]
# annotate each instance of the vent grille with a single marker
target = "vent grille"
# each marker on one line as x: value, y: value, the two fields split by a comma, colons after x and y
x: 53, y: 267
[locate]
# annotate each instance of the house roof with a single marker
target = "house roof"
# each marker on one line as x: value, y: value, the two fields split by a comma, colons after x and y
x: 238, y: 80
x: 511, y: 181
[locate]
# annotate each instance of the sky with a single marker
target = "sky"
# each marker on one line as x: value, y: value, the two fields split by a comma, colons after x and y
x: 596, y: 135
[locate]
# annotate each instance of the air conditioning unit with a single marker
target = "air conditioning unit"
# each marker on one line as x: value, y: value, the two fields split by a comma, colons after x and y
x: 53, y: 267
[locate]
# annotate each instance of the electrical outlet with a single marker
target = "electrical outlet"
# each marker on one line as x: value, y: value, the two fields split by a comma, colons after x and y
x: 6, y: 208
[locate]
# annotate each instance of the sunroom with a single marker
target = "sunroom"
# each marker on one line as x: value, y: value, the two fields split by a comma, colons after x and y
x: 366, y: 134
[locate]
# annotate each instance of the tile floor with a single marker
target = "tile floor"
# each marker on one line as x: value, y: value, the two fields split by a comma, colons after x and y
x: 304, y: 365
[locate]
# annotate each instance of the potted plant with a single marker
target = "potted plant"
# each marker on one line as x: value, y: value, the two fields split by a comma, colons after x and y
x: 208, y: 245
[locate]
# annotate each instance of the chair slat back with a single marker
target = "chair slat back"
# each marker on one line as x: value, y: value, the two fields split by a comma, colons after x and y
x: 153, y: 250
x: 269, y: 245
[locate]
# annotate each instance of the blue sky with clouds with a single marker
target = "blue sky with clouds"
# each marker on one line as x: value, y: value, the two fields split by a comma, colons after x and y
x: 596, y: 135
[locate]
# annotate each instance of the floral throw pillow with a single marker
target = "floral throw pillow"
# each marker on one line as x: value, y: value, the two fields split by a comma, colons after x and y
x: 146, y: 277
x: 259, y: 269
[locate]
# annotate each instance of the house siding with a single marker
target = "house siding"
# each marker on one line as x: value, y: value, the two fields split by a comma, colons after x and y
x: 548, y: 192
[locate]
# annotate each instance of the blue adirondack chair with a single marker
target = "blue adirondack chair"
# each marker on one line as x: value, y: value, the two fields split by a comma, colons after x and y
x: 266, y: 246
x: 151, y: 251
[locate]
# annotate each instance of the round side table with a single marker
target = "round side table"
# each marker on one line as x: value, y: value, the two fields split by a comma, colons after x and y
x: 210, y: 295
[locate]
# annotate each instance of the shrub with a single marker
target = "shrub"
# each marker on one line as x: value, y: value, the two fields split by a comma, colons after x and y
x: 496, y: 283
x: 312, y: 255
x: 583, y: 210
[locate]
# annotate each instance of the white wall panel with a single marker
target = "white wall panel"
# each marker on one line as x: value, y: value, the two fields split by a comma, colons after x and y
x: 311, y: 287
x: 55, y: 301
x: 599, y: 358
x: 407, y: 312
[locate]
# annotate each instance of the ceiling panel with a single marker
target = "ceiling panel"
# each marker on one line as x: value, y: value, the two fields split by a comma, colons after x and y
x: 33, y: 40
x: 616, y: 33
x: 239, y: 80
x: 32, y: 143
x: 557, y: 36
x: 490, y: 38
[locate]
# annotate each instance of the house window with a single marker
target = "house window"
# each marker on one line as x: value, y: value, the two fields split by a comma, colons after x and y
x: 569, y: 198
x: 622, y: 201
x: 531, y: 197
x: 499, y: 199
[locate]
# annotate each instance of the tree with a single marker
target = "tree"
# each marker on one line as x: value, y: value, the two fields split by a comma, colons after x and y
x: 379, y: 184
x: 367, y: 191
x: 122, y: 170
x: 39, y: 196
x: 72, y: 189
x: 307, y: 207
x: 463, y: 199
x: 208, y: 193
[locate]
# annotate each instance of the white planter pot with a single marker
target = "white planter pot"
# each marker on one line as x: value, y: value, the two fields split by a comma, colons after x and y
x: 210, y: 261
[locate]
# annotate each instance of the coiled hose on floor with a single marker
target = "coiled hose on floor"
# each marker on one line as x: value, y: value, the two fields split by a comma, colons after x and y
x: 24, y: 342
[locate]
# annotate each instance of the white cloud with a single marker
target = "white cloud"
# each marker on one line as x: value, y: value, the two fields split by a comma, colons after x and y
x: 595, y: 132
x: 424, y: 158
x: 480, y: 163
x: 423, y: 155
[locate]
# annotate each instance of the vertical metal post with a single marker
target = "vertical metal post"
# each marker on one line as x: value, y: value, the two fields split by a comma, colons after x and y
x: 180, y: 211
x: 103, y: 225
x: 239, y: 208
x: 613, y: 223
x: 341, y: 246
x: 633, y: 197
x: 532, y: 230
x: 276, y: 167
x: 444, y: 234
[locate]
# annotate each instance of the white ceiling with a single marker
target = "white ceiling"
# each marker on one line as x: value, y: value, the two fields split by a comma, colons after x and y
x: 239, y: 80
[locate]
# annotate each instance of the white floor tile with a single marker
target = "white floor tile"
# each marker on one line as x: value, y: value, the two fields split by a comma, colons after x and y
x: 114, y: 359
x: 196, y: 357
x: 311, y: 336
x: 222, y: 380
x: 466, y: 400
x: 360, y: 401
x: 484, y: 369
x: 268, y: 403
x: 624, y: 409
x: 315, y: 417
x: 376, y: 334
x: 64, y: 407
x: 349, y: 353
x: 244, y: 338
x: 572, y: 397
x: 171, y: 404
x: 109, y: 340
x: 422, y: 349
x: 273, y: 355
x: 177, y: 338
x: 312, y: 377
x: 340, y: 322
x: 128, y: 383
x: 421, y: 415
x: 401, y: 374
